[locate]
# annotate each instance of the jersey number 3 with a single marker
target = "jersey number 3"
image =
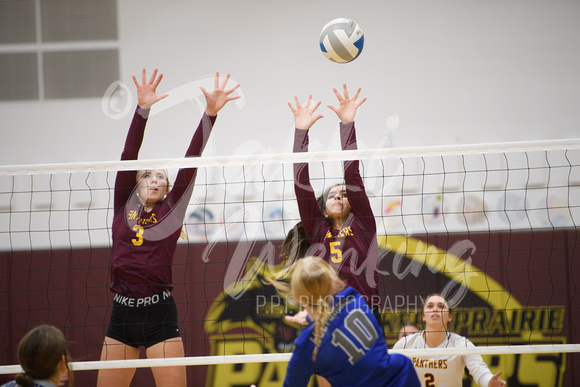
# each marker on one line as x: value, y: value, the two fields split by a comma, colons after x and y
x: 139, y: 230
x: 358, y: 324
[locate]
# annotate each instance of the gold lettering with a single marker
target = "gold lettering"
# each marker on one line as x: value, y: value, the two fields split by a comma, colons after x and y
x: 462, y: 320
x: 151, y: 219
x: 478, y: 321
x: 498, y: 322
x: 555, y: 320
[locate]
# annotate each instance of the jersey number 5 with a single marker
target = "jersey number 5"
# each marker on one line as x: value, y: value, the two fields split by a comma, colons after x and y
x: 363, y: 330
x: 335, y: 252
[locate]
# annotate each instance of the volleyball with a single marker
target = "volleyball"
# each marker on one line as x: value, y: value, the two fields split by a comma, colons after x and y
x: 342, y: 40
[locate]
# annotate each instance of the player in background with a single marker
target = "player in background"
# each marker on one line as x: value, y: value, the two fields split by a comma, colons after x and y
x: 147, y: 222
x: 407, y: 329
x: 445, y: 370
x: 344, y: 343
x: 44, y: 357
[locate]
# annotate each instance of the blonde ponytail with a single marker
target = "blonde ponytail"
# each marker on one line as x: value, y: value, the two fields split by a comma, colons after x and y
x: 323, y: 310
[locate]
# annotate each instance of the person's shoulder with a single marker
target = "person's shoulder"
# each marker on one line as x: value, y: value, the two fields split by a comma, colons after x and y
x: 457, y: 340
x: 37, y: 383
x: 349, y: 298
x: 348, y: 291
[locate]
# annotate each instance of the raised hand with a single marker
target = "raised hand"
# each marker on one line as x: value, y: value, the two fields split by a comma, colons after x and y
x: 146, y: 92
x: 303, y: 118
x: 347, y: 107
x: 218, y: 98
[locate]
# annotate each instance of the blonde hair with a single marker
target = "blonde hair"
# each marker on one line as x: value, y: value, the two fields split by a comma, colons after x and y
x: 314, y: 283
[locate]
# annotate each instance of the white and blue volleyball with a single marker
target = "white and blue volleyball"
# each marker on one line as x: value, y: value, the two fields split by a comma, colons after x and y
x: 342, y: 40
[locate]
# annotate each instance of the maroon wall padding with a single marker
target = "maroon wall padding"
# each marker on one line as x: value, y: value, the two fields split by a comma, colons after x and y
x: 69, y: 289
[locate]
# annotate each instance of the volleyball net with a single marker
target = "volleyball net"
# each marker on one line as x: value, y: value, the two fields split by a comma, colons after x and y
x: 493, y: 227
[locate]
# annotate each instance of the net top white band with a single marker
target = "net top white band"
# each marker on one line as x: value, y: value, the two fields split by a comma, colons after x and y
x: 282, y: 357
x: 385, y: 153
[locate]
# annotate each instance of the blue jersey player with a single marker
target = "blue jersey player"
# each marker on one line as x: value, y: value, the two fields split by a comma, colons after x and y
x: 344, y: 343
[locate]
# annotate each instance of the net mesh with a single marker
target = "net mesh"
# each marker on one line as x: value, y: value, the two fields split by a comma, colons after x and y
x: 493, y: 227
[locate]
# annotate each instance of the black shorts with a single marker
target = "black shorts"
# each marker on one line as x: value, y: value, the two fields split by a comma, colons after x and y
x: 136, y: 323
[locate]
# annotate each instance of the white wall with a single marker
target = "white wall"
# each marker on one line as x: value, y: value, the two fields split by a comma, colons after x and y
x: 451, y: 71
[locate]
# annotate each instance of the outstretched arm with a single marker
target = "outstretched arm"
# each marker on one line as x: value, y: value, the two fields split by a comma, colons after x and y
x: 147, y: 97
x: 310, y: 213
x: 215, y: 101
x: 479, y: 370
x: 300, y: 318
x: 356, y: 193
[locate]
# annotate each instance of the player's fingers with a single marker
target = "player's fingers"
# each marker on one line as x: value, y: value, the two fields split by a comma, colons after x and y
x: 291, y: 107
x: 153, y: 76
x: 316, y: 106
x: 144, y: 76
x: 345, y: 90
x: 157, y: 81
x: 216, y: 83
x: 203, y: 90
x: 225, y: 81
x: 337, y: 94
x: 355, y: 96
x: 316, y: 119
x: 363, y: 101
x: 160, y: 97
x: 135, y: 81
x: 233, y: 89
x: 298, y: 106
